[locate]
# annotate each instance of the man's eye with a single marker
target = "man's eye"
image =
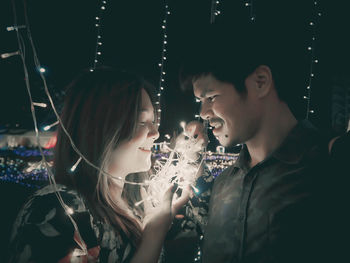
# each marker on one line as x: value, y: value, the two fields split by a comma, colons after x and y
x: 211, y: 98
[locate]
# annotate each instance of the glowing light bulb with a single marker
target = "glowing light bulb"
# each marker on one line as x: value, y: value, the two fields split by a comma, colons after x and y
x: 48, y: 127
x: 42, y: 105
x: 103, y: 7
x: 70, y: 210
x: 42, y: 70
x: 75, y: 165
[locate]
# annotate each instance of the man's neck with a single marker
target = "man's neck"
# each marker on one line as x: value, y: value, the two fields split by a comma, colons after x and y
x: 274, y: 129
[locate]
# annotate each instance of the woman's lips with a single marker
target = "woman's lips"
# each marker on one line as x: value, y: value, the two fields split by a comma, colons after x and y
x: 145, y: 150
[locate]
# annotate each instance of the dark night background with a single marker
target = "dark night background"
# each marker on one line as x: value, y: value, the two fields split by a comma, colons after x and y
x: 65, y: 36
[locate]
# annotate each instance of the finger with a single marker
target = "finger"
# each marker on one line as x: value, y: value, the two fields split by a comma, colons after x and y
x: 168, y: 196
x: 185, y: 196
x: 147, y: 205
x: 194, y: 128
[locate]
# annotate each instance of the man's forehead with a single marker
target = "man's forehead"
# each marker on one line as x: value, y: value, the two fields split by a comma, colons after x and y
x: 203, y: 85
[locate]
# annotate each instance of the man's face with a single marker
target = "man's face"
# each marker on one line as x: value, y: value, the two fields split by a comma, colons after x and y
x: 232, y: 115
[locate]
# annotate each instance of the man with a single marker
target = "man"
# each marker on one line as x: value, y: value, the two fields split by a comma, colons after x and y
x: 270, y: 206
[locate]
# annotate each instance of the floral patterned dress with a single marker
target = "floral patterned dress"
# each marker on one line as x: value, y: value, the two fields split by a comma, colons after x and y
x: 44, y: 233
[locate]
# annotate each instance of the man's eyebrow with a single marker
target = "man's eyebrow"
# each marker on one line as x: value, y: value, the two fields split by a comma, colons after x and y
x: 204, y: 93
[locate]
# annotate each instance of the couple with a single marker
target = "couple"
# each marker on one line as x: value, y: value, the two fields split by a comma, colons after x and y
x: 270, y: 206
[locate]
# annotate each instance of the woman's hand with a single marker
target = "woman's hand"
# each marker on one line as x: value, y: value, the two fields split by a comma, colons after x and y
x: 156, y: 224
x: 159, y: 218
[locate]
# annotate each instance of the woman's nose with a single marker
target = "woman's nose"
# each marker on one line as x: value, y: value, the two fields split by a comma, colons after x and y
x: 153, y: 133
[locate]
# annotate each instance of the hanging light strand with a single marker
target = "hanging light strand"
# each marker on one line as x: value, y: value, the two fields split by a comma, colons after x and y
x: 27, y: 85
x: 214, y: 11
x: 98, y: 25
x: 313, y: 26
x: 250, y: 5
x: 162, y: 62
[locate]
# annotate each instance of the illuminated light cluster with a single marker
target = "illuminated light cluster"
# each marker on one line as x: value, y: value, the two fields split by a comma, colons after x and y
x: 314, y: 60
x: 214, y: 11
x: 250, y: 5
x: 175, y: 168
x: 98, y: 45
x: 162, y: 61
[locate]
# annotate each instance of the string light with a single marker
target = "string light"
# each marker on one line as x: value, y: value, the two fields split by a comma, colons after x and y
x: 163, y: 58
x: 314, y: 60
x: 214, y: 11
x: 39, y: 104
x: 48, y: 127
x: 12, y: 28
x: 250, y: 4
x: 10, y: 54
x: 75, y: 165
x: 98, y: 35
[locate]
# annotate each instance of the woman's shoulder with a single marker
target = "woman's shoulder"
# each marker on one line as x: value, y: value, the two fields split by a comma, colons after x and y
x: 52, y: 199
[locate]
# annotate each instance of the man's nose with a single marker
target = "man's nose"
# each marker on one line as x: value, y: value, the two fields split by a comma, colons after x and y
x: 206, y: 111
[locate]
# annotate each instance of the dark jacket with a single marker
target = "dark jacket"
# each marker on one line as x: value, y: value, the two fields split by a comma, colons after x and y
x: 275, y: 211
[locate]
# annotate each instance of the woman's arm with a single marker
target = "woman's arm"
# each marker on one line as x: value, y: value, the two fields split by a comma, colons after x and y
x: 157, y: 227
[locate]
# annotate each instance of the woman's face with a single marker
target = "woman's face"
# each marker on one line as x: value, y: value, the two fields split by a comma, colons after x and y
x: 135, y: 155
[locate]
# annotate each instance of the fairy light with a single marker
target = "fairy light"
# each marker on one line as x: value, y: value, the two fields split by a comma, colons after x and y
x: 75, y: 165
x: 16, y: 27
x: 177, y: 168
x: 42, y: 69
x: 313, y: 60
x: 162, y: 59
x: 48, y: 127
x: 250, y: 5
x: 98, y: 45
x: 214, y: 11
x: 10, y: 54
x: 39, y: 104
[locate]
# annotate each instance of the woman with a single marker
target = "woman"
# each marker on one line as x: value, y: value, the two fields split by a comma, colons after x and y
x: 110, y: 117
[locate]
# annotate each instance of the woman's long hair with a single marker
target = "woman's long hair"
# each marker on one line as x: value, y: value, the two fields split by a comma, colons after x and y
x: 100, y: 110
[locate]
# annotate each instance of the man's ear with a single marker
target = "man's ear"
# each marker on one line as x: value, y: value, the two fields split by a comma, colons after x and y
x: 262, y: 76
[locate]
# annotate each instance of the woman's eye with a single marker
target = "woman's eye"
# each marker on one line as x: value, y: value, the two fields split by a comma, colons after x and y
x: 142, y: 123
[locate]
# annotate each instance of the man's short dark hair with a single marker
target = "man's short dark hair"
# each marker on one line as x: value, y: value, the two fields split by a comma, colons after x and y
x: 231, y: 51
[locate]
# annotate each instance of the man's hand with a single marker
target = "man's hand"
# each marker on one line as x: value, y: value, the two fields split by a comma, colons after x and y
x: 193, y: 140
